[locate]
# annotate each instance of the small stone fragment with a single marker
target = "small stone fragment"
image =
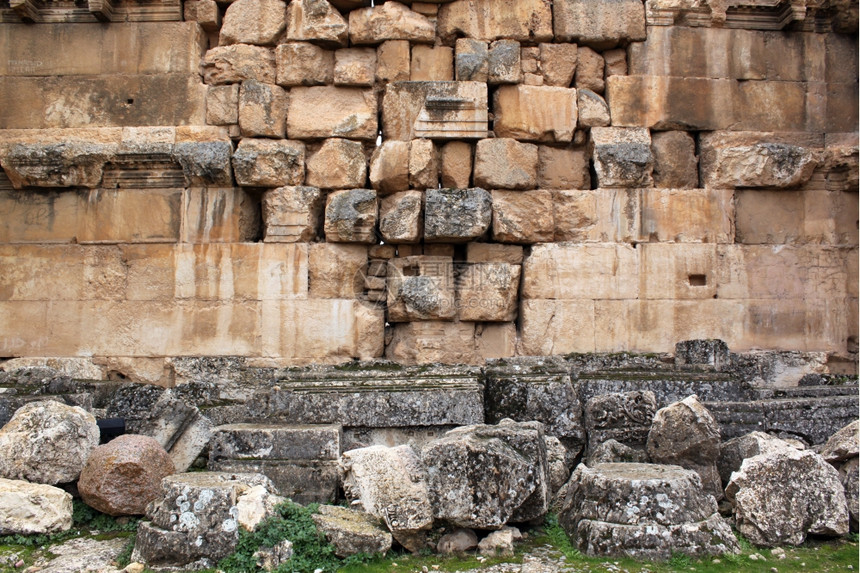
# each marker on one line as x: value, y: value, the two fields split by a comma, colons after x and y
x: 458, y: 541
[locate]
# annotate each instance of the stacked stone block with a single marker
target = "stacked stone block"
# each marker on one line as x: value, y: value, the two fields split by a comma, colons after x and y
x: 436, y: 182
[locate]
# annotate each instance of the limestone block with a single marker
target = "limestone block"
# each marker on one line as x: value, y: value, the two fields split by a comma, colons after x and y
x: 292, y: 214
x: 122, y: 476
x: 205, y: 13
x: 505, y: 163
x: 495, y: 340
x: 304, y: 64
x: 488, y: 291
x: 676, y: 165
x: 390, y: 21
x: 620, y: 417
x: 598, y: 24
x: 523, y: 217
x: 494, y: 253
x: 391, y: 484
x: 276, y: 442
x: 456, y: 215
x: 782, y: 496
x: 622, y: 156
x: 67, y: 164
x: 535, y: 113
x: 471, y: 466
x: 593, y: 110
x: 393, y: 61
x: 336, y: 271
x: 316, y: 21
x: 503, y: 61
x: 843, y: 445
x: 258, y: 22
x: 679, y: 272
x: 352, y: 531
x: 488, y: 20
x: 589, y: 70
x: 471, y: 60
x: 570, y: 271
x: 421, y: 288
x: 269, y: 162
x: 558, y: 64
x: 222, y: 105
x: 262, y: 109
x: 337, y: 164
x: 350, y: 216
x: 456, y: 164
x: 685, y: 433
x: 423, y: 109
x: 400, y: 217
x: 317, y: 112
x: 686, y: 215
x: 532, y: 79
x: 432, y: 63
x: 47, y: 442
x: 552, y: 327
x: 563, y: 168
x: 742, y: 160
x: 423, y: 164
x: 355, y: 67
x: 238, y: 62
x: 615, y: 62
x: 389, y: 167
x: 205, y: 162
x: 28, y: 509
x: 735, y: 451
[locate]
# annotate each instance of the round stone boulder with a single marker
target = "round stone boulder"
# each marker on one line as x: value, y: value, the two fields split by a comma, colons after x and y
x: 124, y: 475
x: 644, y: 511
x: 47, y: 442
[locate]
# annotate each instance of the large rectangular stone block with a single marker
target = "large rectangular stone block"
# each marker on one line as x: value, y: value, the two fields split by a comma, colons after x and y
x: 102, y: 101
x: 597, y: 215
x: 550, y: 327
x: 488, y: 20
x: 686, y: 215
x: 302, y: 481
x: 93, y: 49
x: 329, y: 111
x: 535, y: 113
x: 435, y: 110
x: 216, y: 215
x: 680, y: 271
x: 261, y: 441
x: 571, y: 271
x: 434, y: 341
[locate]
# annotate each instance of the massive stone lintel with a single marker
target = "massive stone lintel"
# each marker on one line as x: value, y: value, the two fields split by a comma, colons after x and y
x: 92, y: 11
x: 749, y: 14
x: 375, y: 395
x: 435, y: 110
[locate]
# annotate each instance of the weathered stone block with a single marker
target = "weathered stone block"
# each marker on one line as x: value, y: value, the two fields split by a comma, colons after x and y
x: 732, y: 160
x: 392, y: 61
x: 423, y: 164
x: 504, y: 62
x: 275, y: 442
x: 471, y: 60
x: 355, y: 67
x: 400, y: 217
x: 488, y: 291
x: 67, y: 164
x: 676, y: 165
x: 292, y: 214
x: 456, y: 215
x: 488, y: 20
x: 598, y: 23
x: 222, y: 105
x: 622, y: 156
x: 258, y: 22
x: 205, y: 162
x: 238, y: 62
x: 546, y: 327
x: 505, y: 163
x: 316, y: 21
x: 563, y: 168
x: 336, y: 271
x: 456, y: 168
x: 269, y: 162
x: 390, y: 21
x: 535, y: 113
x: 680, y: 272
x: 29, y: 509
x: 523, y: 217
x: 352, y: 531
x: 558, y: 64
x: 593, y: 110
x: 337, y: 164
x: 350, y: 216
x: 328, y: 111
x: 437, y: 110
x: 567, y: 271
x: 624, y: 417
x: 389, y: 167
x: 686, y: 215
x: 432, y: 63
x: 262, y: 109
x: 589, y: 70
x: 421, y: 288
x: 304, y: 64
x: 494, y: 253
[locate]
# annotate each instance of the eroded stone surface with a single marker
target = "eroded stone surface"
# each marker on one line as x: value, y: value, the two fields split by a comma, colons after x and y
x: 456, y: 215
x: 27, y: 508
x: 352, y: 531
x: 350, y: 216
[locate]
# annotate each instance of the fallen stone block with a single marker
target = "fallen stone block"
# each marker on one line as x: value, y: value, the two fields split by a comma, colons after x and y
x: 844, y: 444
x: 33, y: 509
x: 621, y: 416
x: 736, y: 450
x: 352, y: 531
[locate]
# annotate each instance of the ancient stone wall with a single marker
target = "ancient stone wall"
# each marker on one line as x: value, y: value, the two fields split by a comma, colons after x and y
x: 304, y: 182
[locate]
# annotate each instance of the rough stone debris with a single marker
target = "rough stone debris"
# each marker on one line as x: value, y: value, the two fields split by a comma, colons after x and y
x: 27, y: 508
